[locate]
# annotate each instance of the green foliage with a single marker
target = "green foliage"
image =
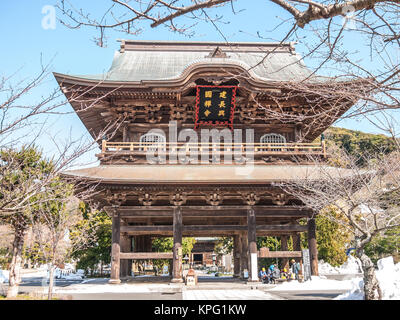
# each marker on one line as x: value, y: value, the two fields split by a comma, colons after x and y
x: 384, y: 245
x: 224, y: 245
x: 187, y: 245
x: 21, y: 171
x: 5, y: 258
x: 332, y: 237
x: 98, y: 251
x: 162, y: 244
x: 166, y: 245
x: 359, y: 144
x: 34, y: 254
x: 273, y: 244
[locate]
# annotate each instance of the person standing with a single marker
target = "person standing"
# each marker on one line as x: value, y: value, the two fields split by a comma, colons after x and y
x: 295, y: 268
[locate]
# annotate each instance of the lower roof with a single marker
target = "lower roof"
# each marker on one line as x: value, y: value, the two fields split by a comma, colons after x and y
x: 202, y: 174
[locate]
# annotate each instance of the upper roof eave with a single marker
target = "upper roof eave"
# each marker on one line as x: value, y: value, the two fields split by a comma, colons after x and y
x: 79, y: 81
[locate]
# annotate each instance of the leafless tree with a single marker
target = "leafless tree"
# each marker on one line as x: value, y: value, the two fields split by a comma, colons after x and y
x: 54, y: 220
x: 366, y: 197
x: 21, y: 124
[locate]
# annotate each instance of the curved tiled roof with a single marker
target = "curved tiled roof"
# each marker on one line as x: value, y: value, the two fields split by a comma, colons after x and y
x: 143, y: 60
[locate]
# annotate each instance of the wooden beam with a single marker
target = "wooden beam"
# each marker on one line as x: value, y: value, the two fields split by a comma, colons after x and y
x: 289, y: 228
x: 217, y: 214
x: 207, y: 211
x: 133, y: 229
x: 212, y: 228
x: 146, y: 255
x: 206, y: 233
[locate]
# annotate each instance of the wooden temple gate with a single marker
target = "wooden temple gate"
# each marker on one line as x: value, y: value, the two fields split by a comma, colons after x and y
x: 153, y: 87
x: 244, y: 234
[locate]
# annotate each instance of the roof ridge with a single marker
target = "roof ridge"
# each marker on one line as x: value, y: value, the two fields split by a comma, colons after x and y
x: 200, y: 45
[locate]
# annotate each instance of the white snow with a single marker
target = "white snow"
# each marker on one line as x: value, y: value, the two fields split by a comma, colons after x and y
x: 72, y: 277
x: 4, y: 275
x: 388, y: 275
x: 316, y: 283
x: 80, y: 272
x: 351, y: 266
x: 68, y: 274
x: 107, y: 288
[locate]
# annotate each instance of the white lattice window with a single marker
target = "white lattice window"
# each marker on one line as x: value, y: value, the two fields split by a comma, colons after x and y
x: 273, y: 142
x: 152, y: 140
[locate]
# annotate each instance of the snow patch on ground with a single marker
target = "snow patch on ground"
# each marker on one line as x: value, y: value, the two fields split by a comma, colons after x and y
x: 351, y: 266
x: 113, y: 288
x: 4, y: 275
x: 316, y: 283
x: 388, y: 275
x: 71, y: 277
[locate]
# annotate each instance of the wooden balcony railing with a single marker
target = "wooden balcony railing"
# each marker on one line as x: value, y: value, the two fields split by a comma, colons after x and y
x: 291, y: 148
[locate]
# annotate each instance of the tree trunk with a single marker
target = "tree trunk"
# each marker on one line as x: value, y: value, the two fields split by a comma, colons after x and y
x: 372, y: 290
x: 51, y: 281
x: 15, y: 267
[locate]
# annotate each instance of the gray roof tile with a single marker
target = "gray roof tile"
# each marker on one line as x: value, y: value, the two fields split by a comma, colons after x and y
x: 166, y: 64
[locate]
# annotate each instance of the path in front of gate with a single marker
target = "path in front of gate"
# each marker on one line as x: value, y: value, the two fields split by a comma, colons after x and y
x: 159, y: 288
x: 230, y: 294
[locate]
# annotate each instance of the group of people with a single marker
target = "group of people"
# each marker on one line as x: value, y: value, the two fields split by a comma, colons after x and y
x: 274, y: 273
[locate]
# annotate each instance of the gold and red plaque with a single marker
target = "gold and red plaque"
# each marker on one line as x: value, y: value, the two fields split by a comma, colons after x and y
x: 215, y: 105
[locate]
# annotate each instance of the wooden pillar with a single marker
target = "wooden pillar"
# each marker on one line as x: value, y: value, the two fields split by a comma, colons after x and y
x: 244, y: 263
x: 171, y: 267
x: 284, y: 247
x: 124, y: 133
x: 236, y: 256
x: 115, y: 249
x: 252, y: 240
x: 139, y: 244
x: 177, y: 249
x: 312, y: 246
x: 297, y: 247
x: 149, y: 244
x: 126, y: 265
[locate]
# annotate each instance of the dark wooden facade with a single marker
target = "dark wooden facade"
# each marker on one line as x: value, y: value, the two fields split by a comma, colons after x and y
x: 206, y: 199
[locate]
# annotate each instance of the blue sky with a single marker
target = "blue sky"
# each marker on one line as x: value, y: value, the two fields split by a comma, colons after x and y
x: 24, y: 41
